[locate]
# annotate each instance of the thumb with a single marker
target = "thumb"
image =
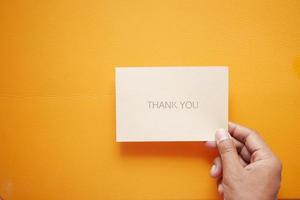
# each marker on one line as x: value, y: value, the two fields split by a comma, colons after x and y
x: 227, y: 150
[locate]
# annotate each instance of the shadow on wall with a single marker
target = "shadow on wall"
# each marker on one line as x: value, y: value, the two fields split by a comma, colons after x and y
x: 168, y: 149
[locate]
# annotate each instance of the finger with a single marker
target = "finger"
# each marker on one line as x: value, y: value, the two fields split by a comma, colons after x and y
x: 216, y: 169
x: 242, y: 162
x: 210, y: 144
x: 250, y: 138
x: 220, y: 188
x: 227, y: 150
x: 242, y: 150
x: 244, y: 153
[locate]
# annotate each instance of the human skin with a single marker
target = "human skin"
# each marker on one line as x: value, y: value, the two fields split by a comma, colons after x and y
x: 246, y: 168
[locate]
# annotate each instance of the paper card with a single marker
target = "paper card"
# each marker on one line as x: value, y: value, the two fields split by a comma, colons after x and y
x: 170, y: 103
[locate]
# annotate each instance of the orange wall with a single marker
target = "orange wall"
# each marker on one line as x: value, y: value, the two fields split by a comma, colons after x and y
x: 57, y: 117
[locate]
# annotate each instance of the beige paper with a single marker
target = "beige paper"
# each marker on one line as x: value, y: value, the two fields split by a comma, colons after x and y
x: 170, y: 103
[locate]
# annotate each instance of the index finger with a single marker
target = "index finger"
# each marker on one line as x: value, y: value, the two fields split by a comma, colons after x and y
x: 250, y: 138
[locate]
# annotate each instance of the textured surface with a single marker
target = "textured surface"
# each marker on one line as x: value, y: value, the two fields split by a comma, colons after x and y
x: 57, y: 117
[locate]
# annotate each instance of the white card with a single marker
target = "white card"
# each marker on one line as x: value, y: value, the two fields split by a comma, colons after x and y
x: 170, y: 103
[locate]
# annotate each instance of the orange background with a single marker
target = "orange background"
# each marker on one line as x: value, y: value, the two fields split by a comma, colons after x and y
x: 57, y: 115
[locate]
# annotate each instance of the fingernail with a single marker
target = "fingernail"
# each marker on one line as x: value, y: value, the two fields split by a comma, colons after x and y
x: 220, y: 188
x: 221, y: 134
x: 213, y: 170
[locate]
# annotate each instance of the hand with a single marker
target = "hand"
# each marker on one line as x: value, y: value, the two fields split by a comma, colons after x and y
x: 246, y: 168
